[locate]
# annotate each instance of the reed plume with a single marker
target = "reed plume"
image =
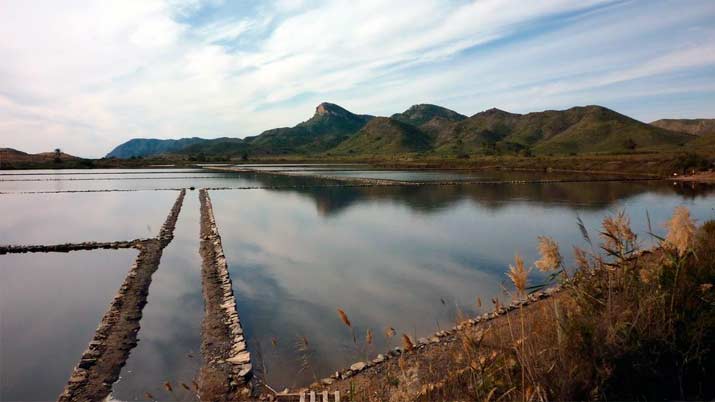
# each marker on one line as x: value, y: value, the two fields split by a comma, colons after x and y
x: 617, y: 233
x: 681, y: 231
x: 581, y: 258
x: 390, y: 332
x: 407, y: 342
x: 550, y: 256
x: 344, y: 318
x: 518, y: 274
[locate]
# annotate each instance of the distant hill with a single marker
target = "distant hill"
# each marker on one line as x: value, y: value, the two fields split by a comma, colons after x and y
x: 690, y: 126
x: 141, y: 147
x: 439, y: 132
x: 385, y: 136
x: 584, y: 129
x: 13, y: 155
x: 418, y: 115
x: 13, y: 159
x: 329, y: 126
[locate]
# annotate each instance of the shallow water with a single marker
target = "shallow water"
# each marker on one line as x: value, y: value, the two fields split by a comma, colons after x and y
x: 407, y: 257
x: 170, y: 335
x: 50, y: 306
x: 118, y: 179
x: 402, y: 257
x: 77, y: 217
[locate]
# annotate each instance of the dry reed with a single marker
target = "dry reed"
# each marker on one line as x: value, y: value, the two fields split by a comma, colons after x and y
x: 550, y: 255
x: 681, y: 231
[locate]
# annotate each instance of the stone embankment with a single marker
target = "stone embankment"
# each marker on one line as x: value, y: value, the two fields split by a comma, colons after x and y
x: 116, y: 336
x: 67, y: 247
x: 366, y: 181
x: 226, y: 371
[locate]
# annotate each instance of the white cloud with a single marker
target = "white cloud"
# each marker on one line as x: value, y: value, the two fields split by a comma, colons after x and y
x: 92, y: 74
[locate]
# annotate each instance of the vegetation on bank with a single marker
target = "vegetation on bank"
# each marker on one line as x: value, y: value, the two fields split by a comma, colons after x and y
x: 653, y: 164
x: 630, y: 324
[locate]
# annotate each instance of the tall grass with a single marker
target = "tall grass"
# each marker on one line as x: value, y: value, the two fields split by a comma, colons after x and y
x: 631, y: 323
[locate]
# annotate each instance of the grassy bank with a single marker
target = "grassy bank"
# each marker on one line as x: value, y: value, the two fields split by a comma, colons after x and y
x: 662, y: 164
x: 630, y: 323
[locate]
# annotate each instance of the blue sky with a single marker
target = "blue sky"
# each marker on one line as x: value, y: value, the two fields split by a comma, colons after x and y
x: 87, y: 75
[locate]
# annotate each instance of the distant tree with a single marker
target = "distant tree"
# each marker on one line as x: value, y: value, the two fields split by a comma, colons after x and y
x: 244, y: 156
x: 58, y: 155
x: 630, y: 144
x: 691, y: 162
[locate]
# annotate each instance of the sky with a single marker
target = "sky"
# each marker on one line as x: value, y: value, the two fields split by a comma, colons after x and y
x: 86, y: 76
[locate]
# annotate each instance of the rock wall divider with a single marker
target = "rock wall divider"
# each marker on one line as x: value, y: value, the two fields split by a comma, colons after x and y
x: 67, y: 247
x: 227, y: 370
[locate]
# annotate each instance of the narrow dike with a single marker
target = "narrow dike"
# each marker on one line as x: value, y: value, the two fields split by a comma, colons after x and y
x: 116, y: 336
x: 67, y: 247
x: 226, y: 371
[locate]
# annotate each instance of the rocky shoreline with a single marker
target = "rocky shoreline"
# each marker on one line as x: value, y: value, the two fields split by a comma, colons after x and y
x: 100, y: 365
x: 373, y: 370
x: 227, y: 370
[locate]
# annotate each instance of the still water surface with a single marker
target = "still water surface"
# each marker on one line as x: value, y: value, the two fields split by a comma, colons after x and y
x: 77, y: 217
x: 50, y: 306
x: 170, y: 335
x: 301, y: 247
x: 402, y: 257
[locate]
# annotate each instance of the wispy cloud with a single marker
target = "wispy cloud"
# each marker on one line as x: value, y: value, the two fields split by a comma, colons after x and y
x: 87, y: 75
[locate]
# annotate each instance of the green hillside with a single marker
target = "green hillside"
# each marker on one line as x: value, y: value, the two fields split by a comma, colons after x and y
x: 385, y: 136
x: 141, y: 147
x: 329, y: 126
x: 588, y: 129
x: 438, y: 132
x: 418, y: 115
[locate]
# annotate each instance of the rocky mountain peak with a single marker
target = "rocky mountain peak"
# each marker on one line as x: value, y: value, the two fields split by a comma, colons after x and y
x: 330, y: 109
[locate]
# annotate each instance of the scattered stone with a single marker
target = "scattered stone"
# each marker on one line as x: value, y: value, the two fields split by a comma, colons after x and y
x: 245, y: 370
x: 359, y: 366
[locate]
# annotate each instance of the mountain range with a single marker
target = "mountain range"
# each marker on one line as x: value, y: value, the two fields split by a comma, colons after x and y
x: 432, y: 130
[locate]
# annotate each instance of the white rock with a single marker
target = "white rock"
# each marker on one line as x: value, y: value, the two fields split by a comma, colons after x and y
x: 241, y: 358
x: 245, y: 370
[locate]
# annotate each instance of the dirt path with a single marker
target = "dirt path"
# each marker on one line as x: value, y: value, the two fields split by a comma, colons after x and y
x: 116, y: 335
x: 226, y: 371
